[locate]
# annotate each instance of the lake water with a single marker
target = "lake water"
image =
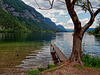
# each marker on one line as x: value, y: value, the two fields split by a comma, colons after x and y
x: 22, y: 52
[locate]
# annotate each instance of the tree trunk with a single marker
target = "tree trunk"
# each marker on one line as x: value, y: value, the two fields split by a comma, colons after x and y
x: 77, y: 48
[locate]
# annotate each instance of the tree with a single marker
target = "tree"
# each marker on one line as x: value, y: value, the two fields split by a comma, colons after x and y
x: 78, y: 29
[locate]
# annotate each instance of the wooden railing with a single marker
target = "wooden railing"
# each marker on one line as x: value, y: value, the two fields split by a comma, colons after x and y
x: 57, y: 54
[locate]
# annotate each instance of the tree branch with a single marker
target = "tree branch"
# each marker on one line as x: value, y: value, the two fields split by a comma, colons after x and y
x: 89, y: 7
x: 73, y: 2
x: 73, y: 14
x: 90, y: 21
x: 98, y: 11
x: 81, y: 6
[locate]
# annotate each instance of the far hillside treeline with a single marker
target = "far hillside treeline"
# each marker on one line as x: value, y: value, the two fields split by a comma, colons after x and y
x: 96, y: 32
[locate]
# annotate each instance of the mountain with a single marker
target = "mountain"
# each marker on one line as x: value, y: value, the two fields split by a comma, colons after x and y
x: 61, y: 28
x: 90, y: 29
x: 15, y: 15
x: 72, y: 30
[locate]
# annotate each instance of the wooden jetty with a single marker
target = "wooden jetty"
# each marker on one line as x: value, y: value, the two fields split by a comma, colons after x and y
x: 57, y: 54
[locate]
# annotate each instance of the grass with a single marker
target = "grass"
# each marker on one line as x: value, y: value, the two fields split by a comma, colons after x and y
x: 51, y: 66
x: 33, y: 72
x: 91, y: 61
x: 39, y: 70
x: 78, y: 65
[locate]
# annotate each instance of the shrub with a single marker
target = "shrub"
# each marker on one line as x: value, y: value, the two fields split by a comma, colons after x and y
x: 90, y: 32
x: 91, y: 61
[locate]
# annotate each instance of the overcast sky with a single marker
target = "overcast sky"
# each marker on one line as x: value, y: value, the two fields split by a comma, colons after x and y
x: 59, y: 14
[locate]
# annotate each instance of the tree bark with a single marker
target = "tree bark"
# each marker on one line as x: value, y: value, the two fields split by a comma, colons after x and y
x: 78, y: 29
x: 77, y: 48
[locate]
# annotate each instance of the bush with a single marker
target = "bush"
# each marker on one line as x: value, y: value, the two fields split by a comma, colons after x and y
x: 97, y: 35
x: 91, y: 61
x: 90, y: 32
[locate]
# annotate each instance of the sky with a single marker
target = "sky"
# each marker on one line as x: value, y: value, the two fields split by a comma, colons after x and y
x: 59, y: 13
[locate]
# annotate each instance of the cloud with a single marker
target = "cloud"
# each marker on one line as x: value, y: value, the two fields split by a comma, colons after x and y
x: 60, y: 23
x: 80, y: 12
x: 70, y: 21
x: 58, y: 13
x: 54, y: 19
x: 84, y: 20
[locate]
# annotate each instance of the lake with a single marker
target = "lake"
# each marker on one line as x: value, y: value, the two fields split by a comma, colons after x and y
x: 26, y: 51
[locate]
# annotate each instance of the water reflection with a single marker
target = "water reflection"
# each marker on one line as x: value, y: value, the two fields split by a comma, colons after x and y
x: 64, y: 43
x: 22, y: 52
x: 15, y: 37
x: 90, y: 44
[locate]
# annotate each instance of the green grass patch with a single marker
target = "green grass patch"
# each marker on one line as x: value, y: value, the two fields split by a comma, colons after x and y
x: 39, y: 70
x: 33, y: 72
x: 36, y: 72
x: 51, y: 66
x: 78, y: 65
x: 91, y: 61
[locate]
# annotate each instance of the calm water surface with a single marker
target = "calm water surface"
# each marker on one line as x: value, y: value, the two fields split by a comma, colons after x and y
x: 22, y: 52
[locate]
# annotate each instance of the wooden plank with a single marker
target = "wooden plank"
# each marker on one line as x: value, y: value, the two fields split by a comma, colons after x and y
x: 60, y: 55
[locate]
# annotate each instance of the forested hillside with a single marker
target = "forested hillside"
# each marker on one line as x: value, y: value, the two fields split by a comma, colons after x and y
x: 15, y: 15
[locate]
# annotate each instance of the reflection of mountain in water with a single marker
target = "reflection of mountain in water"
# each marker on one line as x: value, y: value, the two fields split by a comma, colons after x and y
x: 24, y: 50
x: 18, y: 37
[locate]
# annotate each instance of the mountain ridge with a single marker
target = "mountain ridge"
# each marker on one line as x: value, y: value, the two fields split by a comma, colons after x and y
x: 27, y: 16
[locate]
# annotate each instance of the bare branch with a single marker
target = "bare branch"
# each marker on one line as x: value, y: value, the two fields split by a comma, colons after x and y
x: 37, y: 3
x: 51, y: 5
x: 81, y: 6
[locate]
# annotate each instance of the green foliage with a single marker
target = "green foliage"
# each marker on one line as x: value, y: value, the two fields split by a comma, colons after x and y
x: 9, y: 24
x: 91, y: 61
x: 38, y: 24
x: 78, y: 65
x: 83, y: 4
x: 41, y: 69
x: 97, y: 30
x: 33, y: 72
x: 97, y: 35
x: 90, y: 32
x: 51, y: 66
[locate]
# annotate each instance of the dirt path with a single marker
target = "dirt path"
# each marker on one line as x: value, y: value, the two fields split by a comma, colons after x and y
x: 70, y: 69
x: 14, y: 73
x: 64, y: 69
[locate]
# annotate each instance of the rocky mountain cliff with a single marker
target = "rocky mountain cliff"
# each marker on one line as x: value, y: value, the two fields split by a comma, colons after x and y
x: 16, y: 15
